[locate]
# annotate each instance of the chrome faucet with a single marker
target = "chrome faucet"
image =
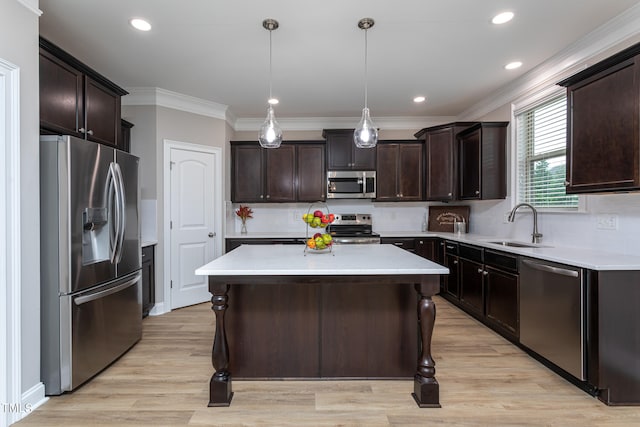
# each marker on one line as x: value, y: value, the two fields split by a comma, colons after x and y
x: 535, y: 236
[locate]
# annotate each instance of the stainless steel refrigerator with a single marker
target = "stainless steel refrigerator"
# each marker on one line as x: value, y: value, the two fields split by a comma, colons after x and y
x: 91, y: 294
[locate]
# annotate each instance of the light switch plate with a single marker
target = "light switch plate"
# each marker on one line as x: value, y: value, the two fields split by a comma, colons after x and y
x: 607, y: 222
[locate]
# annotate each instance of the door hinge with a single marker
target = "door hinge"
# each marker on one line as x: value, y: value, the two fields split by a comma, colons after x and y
x: 171, y: 165
x: 170, y: 225
x: 170, y: 284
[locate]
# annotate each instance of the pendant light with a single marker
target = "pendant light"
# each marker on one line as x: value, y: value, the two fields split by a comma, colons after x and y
x: 366, y: 134
x: 270, y: 132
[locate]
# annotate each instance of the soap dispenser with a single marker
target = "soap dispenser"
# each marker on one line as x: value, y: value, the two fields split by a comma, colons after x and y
x: 424, y: 223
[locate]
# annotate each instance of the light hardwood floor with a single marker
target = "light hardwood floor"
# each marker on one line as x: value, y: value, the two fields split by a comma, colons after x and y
x: 484, y: 380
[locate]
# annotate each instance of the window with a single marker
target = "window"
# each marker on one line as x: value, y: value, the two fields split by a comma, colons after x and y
x: 541, y: 137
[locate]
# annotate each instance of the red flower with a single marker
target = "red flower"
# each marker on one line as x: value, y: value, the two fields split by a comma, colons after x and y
x: 244, y: 212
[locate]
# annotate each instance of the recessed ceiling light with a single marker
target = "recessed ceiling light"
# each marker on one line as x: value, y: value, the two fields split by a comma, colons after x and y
x: 513, y: 65
x: 419, y: 99
x: 140, y: 24
x: 273, y: 101
x: 502, y: 18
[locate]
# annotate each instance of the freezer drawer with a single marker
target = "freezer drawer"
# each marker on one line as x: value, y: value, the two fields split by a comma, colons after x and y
x: 96, y: 328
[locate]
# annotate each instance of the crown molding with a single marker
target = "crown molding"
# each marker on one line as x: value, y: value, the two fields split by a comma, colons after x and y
x: 317, y: 123
x: 32, y: 5
x: 575, y: 57
x: 166, y: 98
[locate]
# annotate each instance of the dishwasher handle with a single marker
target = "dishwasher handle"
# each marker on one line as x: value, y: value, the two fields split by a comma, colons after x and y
x: 551, y: 269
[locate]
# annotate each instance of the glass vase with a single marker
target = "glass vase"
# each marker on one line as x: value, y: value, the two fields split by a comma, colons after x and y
x: 243, y: 229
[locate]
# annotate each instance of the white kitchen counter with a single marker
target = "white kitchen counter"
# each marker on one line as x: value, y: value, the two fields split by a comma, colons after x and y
x: 274, y: 260
x: 579, y: 257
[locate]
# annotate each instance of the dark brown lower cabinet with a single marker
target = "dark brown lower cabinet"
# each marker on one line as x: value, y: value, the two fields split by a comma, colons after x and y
x: 501, y: 305
x: 472, y: 286
x: 148, y: 280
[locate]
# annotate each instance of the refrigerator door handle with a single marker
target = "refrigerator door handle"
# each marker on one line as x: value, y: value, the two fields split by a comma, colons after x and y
x: 92, y: 297
x: 113, y: 192
x: 122, y: 204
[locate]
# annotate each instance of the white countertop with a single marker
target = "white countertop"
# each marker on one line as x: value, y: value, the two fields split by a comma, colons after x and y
x: 579, y: 257
x: 291, y: 260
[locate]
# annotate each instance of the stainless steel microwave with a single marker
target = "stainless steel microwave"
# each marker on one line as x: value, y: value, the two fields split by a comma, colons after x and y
x: 351, y: 184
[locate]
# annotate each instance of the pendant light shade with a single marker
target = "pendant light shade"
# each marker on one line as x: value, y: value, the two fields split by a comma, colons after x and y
x: 366, y: 134
x: 270, y: 135
x: 270, y: 131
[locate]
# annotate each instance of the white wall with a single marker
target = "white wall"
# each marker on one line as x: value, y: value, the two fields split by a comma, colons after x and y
x: 152, y: 125
x: 19, y: 45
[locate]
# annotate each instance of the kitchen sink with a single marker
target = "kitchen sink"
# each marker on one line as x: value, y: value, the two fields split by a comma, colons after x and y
x: 517, y: 244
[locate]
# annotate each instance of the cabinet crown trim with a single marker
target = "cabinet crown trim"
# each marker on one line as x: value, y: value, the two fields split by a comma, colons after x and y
x: 598, y: 67
x: 80, y: 66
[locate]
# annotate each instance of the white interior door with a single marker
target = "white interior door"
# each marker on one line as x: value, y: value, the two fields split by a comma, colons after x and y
x: 191, y: 224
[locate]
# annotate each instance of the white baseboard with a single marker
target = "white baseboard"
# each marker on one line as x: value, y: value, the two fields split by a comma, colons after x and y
x: 158, y: 309
x: 31, y: 399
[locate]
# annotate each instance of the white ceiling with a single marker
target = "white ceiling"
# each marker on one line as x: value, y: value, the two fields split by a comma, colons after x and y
x: 446, y: 50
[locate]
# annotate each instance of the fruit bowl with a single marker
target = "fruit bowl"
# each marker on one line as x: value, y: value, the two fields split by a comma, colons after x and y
x: 317, y: 219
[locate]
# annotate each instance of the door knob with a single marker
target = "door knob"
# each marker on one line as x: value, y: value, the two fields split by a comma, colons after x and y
x: 212, y: 234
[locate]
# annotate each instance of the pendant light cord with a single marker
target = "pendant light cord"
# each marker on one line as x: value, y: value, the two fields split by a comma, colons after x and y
x: 270, y: 67
x: 365, y: 68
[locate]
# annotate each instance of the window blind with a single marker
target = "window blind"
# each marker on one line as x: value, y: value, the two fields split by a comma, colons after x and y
x: 541, y: 136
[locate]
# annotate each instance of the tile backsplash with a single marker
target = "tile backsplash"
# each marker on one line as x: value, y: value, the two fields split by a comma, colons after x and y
x: 619, y: 214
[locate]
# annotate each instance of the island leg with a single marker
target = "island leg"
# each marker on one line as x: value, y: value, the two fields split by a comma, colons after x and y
x: 426, y: 390
x: 220, y: 393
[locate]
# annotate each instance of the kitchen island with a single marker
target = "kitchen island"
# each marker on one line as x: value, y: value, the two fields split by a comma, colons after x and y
x: 349, y: 313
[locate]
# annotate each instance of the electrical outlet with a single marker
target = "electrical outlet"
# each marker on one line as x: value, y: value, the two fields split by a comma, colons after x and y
x: 607, y: 222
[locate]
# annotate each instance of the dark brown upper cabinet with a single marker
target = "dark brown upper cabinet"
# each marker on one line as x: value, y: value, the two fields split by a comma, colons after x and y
x: 311, y: 172
x: 603, y: 113
x: 342, y: 153
x: 399, y: 171
x: 441, y: 160
x: 76, y: 100
x: 483, y: 161
x: 293, y: 172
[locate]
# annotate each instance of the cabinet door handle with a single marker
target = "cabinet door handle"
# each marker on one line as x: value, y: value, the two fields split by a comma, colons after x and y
x: 480, y: 270
x: 441, y: 243
x: 450, y: 194
x: 268, y: 196
x: 261, y: 196
x: 90, y: 132
x: 477, y: 192
x: 485, y: 273
x: 398, y: 243
x: 455, y: 261
x: 450, y: 247
x: 82, y: 130
x: 421, y: 242
x: 567, y: 183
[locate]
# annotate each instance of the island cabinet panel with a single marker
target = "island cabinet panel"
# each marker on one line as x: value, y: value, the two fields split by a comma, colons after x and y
x: 368, y: 331
x: 322, y: 330
x: 603, y: 125
x: 471, y: 286
x: 273, y: 331
x: 451, y: 282
x: 342, y: 154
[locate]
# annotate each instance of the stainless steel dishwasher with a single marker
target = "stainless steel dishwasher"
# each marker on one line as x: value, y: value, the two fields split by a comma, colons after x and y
x: 552, y: 308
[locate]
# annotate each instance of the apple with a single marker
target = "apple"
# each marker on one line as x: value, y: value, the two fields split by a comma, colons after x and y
x: 332, y: 218
x: 316, y: 222
x: 325, y: 219
x: 318, y: 214
x: 327, y: 238
x: 315, y: 236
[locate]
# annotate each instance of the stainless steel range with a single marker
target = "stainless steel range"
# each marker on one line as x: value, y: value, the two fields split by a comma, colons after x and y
x: 353, y: 229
